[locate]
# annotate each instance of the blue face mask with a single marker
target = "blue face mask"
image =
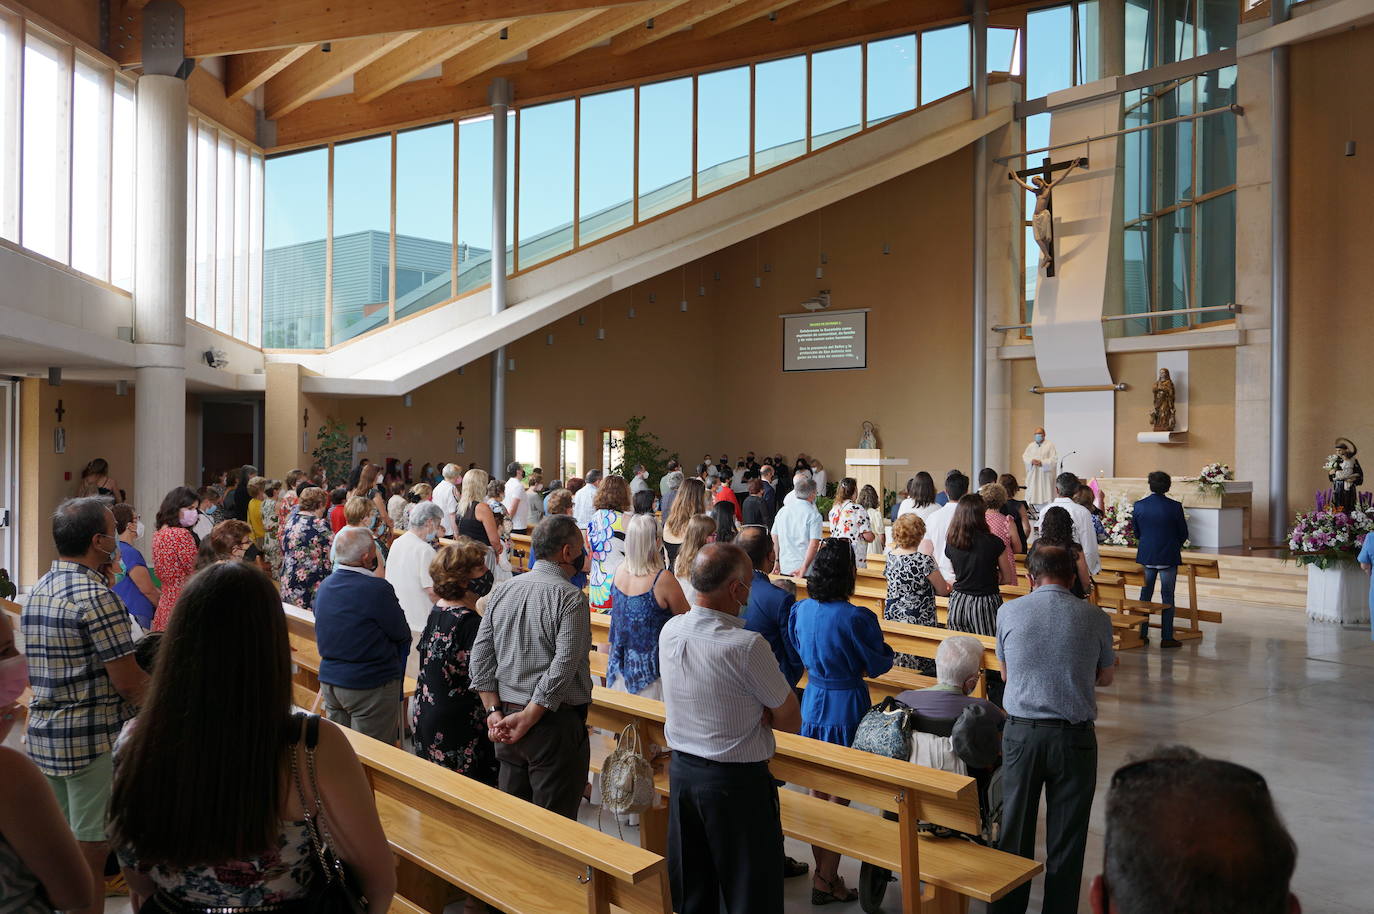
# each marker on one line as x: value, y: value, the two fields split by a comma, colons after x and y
x: 1039, y: 439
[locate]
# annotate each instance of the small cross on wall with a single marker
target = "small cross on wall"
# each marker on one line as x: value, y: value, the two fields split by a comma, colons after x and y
x: 362, y: 424
x: 460, y: 426
x: 60, y: 411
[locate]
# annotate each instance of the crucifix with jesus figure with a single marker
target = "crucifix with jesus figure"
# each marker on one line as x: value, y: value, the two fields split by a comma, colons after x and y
x: 1042, y: 185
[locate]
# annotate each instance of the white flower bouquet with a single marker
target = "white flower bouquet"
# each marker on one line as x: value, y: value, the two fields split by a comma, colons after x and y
x: 1213, y: 478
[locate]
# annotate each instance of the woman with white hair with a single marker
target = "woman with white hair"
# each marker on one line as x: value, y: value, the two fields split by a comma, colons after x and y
x: 643, y: 598
x: 408, y: 566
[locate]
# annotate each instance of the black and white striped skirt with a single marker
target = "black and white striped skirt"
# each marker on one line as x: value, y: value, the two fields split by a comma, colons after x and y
x: 975, y: 613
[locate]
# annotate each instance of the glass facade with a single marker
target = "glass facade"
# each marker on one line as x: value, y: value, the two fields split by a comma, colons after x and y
x: 579, y: 170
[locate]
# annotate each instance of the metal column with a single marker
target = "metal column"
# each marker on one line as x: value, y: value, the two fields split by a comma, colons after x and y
x: 1278, y: 295
x: 980, y: 241
x: 500, y: 96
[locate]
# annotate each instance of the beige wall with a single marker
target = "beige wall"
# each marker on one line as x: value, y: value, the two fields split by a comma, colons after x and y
x: 1331, y: 284
x: 710, y: 379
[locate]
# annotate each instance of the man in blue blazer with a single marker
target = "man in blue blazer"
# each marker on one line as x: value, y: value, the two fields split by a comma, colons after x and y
x: 1162, y: 530
x: 770, y: 607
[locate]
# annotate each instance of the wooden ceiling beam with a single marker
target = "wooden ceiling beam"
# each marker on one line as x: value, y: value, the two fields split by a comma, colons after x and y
x: 419, y: 54
x: 738, y: 15
x: 218, y: 27
x: 521, y: 36
x: 669, y: 24
x: 320, y: 69
x: 245, y: 72
x: 808, y: 8
x: 602, y: 27
x: 425, y: 101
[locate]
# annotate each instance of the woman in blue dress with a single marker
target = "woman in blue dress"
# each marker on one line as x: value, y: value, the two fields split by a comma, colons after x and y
x: 642, y: 599
x: 1367, y: 562
x: 840, y: 644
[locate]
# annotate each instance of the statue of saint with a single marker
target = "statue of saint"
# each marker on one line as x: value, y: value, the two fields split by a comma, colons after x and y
x: 1345, y: 474
x: 1042, y: 221
x: 1162, y: 415
x: 869, y: 441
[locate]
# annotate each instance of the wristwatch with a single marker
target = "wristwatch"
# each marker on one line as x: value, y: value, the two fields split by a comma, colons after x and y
x: 493, y: 710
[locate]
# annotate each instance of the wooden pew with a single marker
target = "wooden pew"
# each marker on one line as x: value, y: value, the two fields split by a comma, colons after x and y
x: 1194, y: 566
x: 305, y: 654
x: 953, y: 870
x: 446, y: 829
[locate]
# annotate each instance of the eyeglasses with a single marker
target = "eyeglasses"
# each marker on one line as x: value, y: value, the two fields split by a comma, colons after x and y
x: 1136, y: 770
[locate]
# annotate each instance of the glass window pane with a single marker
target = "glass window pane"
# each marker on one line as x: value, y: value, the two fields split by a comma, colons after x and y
x: 1216, y: 255
x: 1089, y: 56
x: 1138, y: 146
x: 11, y: 74
x: 665, y: 146
x: 255, y: 253
x: 779, y: 112
x: 242, y: 189
x: 295, y: 207
x: 1049, y: 50
x: 723, y: 131
x: 224, y: 236
x: 836, y: 94
x: 1179, y: 33
x: 1002, y: 50
x: 474, y: 204
x: 1137, y: 261
x: 1031, y: 269
x: 1140, y: 42
x: 1174, y: 147
x: 1216, y: 136
x: 360, y: 285
x: 122, y: 192
x: 547, y: 137
x: 46, y: 86
x: 1175, y: 280
x: 945, y: 63
x: 206, y: 165
x: 891, y: 77
x: 424, y: 218
x: 91, y: 170
x: 606, y: 183
x: 1220, y: 19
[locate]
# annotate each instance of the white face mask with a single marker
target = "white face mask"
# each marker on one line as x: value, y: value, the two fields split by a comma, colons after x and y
x: 138, y: 530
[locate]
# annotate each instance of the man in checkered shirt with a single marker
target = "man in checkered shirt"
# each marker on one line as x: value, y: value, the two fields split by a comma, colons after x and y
x: 81, y: 666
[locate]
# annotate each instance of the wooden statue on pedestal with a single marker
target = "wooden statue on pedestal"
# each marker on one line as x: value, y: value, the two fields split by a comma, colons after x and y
x: 1162, y: 416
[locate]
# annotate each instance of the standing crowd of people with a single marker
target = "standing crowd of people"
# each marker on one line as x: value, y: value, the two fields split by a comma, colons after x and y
x: 144, y: 755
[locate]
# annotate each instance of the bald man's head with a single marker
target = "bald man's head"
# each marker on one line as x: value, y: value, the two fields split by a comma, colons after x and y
x: 757, y: 544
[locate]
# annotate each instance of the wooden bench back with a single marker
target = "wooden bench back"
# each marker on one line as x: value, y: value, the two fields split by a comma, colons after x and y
x: 449, y: 829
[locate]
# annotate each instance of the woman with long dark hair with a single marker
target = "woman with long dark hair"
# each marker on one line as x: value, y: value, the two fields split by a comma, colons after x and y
x: 366, y: 485
x: 174, y: 548
x: 204, y: 812
x: 236, y: 502
x: 920, y: 497
x: 1056, y: 529
x: 724, y: 516
x: 1015, y: 508
x: 982, y: 564
x: 840, y: 644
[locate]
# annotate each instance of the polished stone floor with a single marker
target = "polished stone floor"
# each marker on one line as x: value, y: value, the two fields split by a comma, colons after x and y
x: 1292, y: 700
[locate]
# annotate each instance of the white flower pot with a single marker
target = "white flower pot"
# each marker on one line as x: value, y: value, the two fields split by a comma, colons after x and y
x: 1338, y: 594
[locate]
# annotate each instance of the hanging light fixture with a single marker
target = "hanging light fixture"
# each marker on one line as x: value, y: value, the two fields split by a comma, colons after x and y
x: 701, y: 288
x: 758, y: 280
x: 820, y: 268
x: 682, y: 306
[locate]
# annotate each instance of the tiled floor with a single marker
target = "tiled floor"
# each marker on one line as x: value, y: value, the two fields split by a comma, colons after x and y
x: 1292, y: 700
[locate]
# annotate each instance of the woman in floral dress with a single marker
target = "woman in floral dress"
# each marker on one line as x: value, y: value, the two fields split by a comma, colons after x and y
x: 606, y: 539
x: 305, y: 550
x: 448, y: 718
x: 849, y: 520
x: 271, y: 525
x: 913, y: 580
x: 174, y: 549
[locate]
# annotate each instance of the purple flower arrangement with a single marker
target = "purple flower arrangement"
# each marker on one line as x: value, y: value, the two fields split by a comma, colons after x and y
x: 1325, y: 536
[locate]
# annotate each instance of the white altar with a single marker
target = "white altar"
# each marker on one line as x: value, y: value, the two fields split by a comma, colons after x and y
x: 1215, y: 519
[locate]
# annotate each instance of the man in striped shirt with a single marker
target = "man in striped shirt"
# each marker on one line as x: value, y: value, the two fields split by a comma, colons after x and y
x: 724, y: 695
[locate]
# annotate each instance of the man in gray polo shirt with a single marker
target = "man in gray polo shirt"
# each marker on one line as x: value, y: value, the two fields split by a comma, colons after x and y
x: 723, y: 696
x: 1055, y: 650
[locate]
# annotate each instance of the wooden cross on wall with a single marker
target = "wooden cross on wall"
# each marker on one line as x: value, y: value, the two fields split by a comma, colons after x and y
x: 362, y: 424
x: 1046, y: 172
x: 305, y: 419
x: 460, y: 426
x: 60, y: 411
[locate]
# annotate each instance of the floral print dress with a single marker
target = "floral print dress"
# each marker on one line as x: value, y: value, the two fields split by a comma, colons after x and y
x: 271, y: 527
x: 448, y: 718
x: 174, y: 558
x: 850, y: 521
x: 281, y: 874
x: 606, y: 535
x: 305, y: 559
x: 911, y: 599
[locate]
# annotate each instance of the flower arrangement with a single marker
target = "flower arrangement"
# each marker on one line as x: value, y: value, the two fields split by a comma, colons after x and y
x: 1116, y: 520
x: 1333, y: 464
x: 1213, y: 478
x: 1325, y: 536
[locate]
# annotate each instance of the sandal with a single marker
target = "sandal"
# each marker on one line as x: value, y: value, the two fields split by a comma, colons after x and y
x: 830, y: 894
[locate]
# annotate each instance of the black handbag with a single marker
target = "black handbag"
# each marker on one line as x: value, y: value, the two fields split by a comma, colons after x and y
x: 336, y: 889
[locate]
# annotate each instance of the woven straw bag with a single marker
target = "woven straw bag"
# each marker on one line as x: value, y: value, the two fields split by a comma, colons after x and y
x: 627, y: 778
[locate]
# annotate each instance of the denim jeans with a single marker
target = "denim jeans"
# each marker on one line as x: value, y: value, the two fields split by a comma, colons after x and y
x: 1167, y: 578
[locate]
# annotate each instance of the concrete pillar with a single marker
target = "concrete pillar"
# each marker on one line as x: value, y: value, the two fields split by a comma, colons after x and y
x: 1111, y: 39
x: 283, y: 421
x: 160, y: 293
x: 501, y: 97
x: 979, y: 406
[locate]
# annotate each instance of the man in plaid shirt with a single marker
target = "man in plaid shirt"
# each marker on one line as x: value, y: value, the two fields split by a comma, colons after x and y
x: 82, y: 670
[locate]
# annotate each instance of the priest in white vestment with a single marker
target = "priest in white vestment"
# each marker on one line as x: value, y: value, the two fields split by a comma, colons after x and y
x: 1042, y: 462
